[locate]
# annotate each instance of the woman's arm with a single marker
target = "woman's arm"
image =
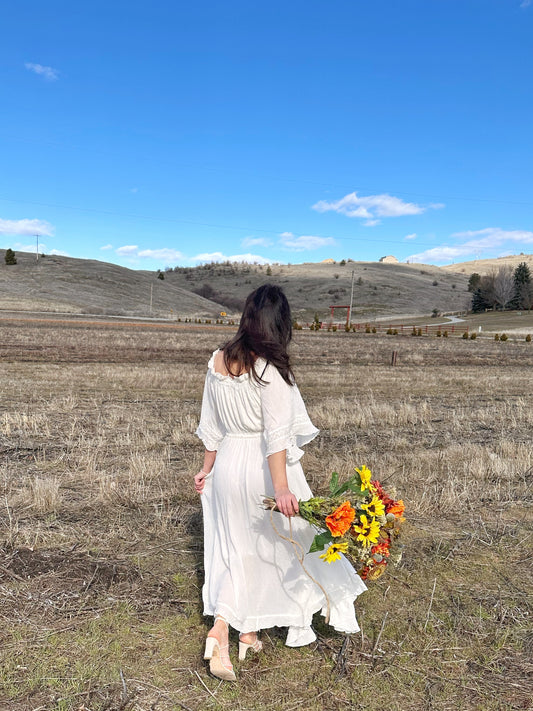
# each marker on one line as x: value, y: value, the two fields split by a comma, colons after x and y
x: 209, y: 461
x: 286, y: 502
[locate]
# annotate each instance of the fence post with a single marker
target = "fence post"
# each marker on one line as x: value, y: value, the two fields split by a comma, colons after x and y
x: 394, y: 358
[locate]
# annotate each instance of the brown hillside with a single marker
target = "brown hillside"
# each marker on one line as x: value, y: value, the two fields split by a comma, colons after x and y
x: 379, y: 289
x: 486, y: 266
x: 64, y: 284
x: 88, y: 286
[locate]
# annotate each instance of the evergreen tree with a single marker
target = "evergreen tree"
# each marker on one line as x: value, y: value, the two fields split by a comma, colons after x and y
x: 479, y: 303
x: 474, y: 282
x: 484, y: 296
x: 522, y: 287
x: 10, y: 257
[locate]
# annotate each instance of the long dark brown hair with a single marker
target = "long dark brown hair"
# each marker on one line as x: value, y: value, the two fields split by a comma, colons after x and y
x: 265, y: 331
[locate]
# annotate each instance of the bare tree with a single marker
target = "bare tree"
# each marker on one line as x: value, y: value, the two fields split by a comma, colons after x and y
x: 503, y: 286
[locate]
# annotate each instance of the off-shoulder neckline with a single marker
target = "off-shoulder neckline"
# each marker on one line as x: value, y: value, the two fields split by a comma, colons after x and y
x: 228, y: 377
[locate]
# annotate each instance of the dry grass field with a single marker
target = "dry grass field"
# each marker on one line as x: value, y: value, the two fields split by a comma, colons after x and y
x: 101, y: 550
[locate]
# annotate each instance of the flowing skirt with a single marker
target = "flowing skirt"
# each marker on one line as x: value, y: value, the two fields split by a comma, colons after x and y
x: 253, y: 578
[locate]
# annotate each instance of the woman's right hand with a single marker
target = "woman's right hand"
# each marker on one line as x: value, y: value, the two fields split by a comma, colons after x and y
x: 199, y: 481
x: 286, y: 502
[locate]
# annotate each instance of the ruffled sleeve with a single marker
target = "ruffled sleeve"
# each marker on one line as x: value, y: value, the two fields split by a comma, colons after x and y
x: 286, y: 422
x: 210, y: 430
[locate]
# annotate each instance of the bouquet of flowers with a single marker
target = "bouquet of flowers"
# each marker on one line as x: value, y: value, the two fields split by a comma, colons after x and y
x: 359, y: 519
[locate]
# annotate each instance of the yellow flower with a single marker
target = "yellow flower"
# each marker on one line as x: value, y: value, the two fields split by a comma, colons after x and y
x: 365, y: 475
x: 374, y: 507
x: 334, y: 551
x: 368, y: 531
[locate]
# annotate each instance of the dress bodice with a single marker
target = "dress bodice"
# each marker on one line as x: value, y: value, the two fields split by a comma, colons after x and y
x: 240, y: 406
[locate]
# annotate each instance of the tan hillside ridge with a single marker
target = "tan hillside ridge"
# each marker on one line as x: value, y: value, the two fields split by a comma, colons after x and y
x: 57, y: 283
x: 486, y: 266
x: 83, y: 286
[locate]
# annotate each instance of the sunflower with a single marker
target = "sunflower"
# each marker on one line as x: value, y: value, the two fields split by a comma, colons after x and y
x: 368, y: 531
x: 375, y: 507
x: 365, y: 475
x: 334, y: 552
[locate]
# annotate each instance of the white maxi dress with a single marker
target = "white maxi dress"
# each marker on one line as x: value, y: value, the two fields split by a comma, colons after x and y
x: 252, y: 577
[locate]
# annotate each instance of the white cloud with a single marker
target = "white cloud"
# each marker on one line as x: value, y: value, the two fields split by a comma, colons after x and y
x: 166, y: 254
x: 411, y: 236
x: 304, y: 242
x: 134, y: 190
x: 48, y: 73
x: 256, y: 242
x: 107, y: 246
x: 477, y: 242
x: 526, y: 3
x: 372, y: 207
x: 43, y: 249
x: 129, y: 250
x: 220, y: 257
x: 26, y: 227
x: 32, y: 248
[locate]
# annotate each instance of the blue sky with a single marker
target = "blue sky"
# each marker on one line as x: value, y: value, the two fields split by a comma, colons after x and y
x: 165, y: 133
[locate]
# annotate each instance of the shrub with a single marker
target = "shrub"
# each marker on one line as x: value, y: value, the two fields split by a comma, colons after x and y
x: 269, y: 271
x: 445, y: 334
x: 435, y: 283
x: 334, y: 328
x: 528, y: 338
x: 413, y: 332
x: 473, y: 336
x: 368, y: 329
x: 503, y: 337
x: 419, y: 332
x: 389, y: 332
x: 160, y: 275
x: 395, y: 332
x: 439, y: 333
x: 465, y: 335
x: 496, y: 336
x: 10, y: 257
x: 374, y: 329
x: 347, y: 327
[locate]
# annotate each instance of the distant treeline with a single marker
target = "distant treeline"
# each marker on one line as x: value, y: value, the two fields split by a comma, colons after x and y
x: 504, y: 289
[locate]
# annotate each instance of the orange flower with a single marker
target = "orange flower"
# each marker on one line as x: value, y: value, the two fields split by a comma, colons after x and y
x: 341, y: 519
x: 381, y: 549
x: 397, y: 508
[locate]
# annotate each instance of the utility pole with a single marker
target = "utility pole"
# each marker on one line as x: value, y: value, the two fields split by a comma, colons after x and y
x: 151, y: 297
x: 37, y: 238
x: 351, y: 300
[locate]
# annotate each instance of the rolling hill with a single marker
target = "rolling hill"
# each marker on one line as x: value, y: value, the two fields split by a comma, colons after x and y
x: 65, y: 284
x: 487, y: 266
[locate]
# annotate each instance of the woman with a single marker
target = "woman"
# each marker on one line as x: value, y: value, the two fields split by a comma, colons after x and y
x: 253, y: 423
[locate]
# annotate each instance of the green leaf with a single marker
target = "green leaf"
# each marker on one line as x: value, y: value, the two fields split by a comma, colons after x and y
x: 320, y: 540
x: 334, y: 483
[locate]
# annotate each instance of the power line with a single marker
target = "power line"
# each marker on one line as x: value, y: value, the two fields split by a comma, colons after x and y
x: 343, y: 186
x: 199, y: 224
